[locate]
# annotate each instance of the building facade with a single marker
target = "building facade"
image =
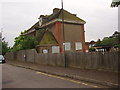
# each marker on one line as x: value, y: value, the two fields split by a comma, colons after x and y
x: 67, y: 29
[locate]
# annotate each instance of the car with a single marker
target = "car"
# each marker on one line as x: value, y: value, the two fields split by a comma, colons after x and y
x: 2, y: 59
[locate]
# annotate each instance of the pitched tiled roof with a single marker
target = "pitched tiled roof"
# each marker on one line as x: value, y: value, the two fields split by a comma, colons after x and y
x: 35, y: 26
x: 39, y: 34
x: 67, y: 17
x: 70, y: 17
x: 48, y: 39
x: 57, y: 16
x: 51, y: 17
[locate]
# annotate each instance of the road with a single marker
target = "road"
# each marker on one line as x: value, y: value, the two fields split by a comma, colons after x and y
x: 17, y: 77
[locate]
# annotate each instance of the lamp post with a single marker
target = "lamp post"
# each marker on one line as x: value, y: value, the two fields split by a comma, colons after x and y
x: 63, y: 35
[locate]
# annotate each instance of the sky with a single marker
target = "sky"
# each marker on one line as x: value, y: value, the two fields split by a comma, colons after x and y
x: 19, y: 15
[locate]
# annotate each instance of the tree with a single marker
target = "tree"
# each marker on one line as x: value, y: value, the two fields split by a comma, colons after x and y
x: 109, y: 41
x: 98, y: 43
x: 29, y: 43
x: 4, y: 48
x: 24, y: 42
x: 112, y: 41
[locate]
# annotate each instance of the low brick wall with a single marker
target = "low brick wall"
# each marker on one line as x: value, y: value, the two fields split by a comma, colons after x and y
x: 92, y: 60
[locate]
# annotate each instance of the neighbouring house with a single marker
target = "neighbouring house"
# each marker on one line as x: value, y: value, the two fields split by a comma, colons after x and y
x: 92, y: 44
x: 89, y: 45
x: 110, y: 48
x: 49, y: 32
x: 102, y: 48
x: 106, y: 49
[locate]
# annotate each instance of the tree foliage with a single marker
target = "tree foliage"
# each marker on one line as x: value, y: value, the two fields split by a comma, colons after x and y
x: 98, y: 43
x: 109, y: 41
x: 24, y: 42
x: 112, y: 41
x: 4, y: 48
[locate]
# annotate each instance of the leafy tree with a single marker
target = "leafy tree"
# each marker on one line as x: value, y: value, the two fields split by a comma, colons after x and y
x: 98, y: 43
x: 109, y: 41
x: 112, y: 41
x: 4, y: 48
x: 24, y: 42
x: 29, y: 43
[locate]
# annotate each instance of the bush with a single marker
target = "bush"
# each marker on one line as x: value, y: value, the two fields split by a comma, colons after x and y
x: 92, y: 49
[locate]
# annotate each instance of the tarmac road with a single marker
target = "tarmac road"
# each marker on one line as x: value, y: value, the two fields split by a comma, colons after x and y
x: 17, y: 77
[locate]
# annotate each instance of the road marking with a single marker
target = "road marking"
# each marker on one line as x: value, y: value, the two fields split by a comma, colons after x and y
x: 71, y: 80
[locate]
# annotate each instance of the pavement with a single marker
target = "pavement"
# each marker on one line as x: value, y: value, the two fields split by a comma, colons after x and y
x: 93, y: 76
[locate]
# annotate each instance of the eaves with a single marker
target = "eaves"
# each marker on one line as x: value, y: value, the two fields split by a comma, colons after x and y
x: 60, y: 20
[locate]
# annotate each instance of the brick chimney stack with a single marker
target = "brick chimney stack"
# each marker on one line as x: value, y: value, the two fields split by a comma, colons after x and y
x: 55, y: 10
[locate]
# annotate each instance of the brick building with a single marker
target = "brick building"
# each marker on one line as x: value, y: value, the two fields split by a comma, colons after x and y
x: 49, y: 32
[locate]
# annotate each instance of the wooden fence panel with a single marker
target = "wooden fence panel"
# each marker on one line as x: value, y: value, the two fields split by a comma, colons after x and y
x: 91, y: 60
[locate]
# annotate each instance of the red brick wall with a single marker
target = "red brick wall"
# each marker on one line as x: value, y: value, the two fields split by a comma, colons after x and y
x: 59, y: 34
x: 83, y: 38
x: 73, y: 33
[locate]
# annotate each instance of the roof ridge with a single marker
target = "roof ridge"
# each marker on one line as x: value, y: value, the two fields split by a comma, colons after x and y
x: 73, y: 15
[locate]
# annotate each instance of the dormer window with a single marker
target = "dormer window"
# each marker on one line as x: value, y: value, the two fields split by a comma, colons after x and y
x: 40, y: 21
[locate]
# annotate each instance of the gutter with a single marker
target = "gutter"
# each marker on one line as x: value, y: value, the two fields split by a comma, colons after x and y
x: 56, y: 20
x: 60, y: 20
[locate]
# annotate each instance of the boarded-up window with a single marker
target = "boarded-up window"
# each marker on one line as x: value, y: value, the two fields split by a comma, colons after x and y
x: 45, y: 51
x: 67, y: 46
x: 78, y: 45
x: 55, y: 49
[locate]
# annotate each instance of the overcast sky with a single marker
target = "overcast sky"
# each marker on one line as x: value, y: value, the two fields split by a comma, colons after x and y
x: 20, y: 15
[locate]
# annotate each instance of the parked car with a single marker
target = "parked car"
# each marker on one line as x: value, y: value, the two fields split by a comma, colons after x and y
x: 2, y: 59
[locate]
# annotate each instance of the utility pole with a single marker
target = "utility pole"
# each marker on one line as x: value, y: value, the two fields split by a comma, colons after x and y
x: 63, y: 35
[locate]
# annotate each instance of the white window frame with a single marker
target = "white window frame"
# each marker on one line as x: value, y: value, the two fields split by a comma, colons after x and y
x: 78, y: 45
x: 67, y: 46
x: 55, y: 49
x: 45, y: 51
